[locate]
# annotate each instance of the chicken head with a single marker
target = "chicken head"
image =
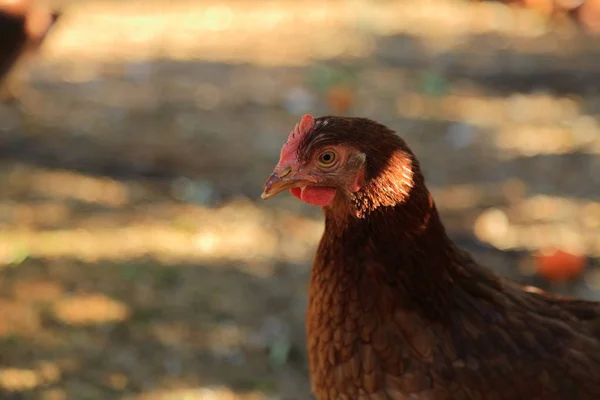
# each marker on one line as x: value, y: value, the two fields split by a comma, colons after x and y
x: 315, y: 171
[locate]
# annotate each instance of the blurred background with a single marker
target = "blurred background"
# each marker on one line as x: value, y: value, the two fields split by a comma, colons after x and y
x: 136, y: 258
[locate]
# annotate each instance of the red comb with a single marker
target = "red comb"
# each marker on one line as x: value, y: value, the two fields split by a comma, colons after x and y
x: 288, y: 151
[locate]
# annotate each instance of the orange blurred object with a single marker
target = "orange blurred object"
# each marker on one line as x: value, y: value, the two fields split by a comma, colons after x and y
x: 568, y: 4
x: 559, y: 265
x: 585, y: 13
x: 589, y: 15
x: 545, y: 7
x: 339, y: 98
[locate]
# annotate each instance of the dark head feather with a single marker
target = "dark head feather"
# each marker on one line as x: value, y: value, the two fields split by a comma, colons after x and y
x: 392, y: 172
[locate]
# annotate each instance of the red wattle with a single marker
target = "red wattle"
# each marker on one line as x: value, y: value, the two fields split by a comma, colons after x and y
x: 296, y: 192
x: 313, y: 195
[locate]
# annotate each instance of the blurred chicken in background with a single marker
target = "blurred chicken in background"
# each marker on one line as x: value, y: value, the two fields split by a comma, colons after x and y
x: 585, y: 13
x: 23, y: 26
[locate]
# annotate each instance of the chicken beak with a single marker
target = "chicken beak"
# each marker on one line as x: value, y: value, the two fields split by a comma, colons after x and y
x: 280, y: 181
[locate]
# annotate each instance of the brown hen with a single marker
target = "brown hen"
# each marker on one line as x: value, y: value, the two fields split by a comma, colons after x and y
x: 585, y: 13
x: 396, y: 310
x: 23, y: 27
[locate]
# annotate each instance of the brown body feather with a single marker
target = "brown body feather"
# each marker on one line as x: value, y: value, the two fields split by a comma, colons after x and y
x: 396, y: 311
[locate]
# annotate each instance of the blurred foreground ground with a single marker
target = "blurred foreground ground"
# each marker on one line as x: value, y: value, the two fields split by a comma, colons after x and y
x: 138, y: 261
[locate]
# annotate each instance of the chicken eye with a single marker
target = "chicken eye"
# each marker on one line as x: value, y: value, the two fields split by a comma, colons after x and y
x: 327, y: 158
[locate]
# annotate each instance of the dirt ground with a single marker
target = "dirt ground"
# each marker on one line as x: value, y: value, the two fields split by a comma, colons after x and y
x: 136, y: 258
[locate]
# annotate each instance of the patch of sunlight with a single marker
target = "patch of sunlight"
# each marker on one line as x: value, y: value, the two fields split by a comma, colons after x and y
x: 204, y: 393
x: 549, y: 208
x: 543, y: 222
x: 69, y: 185
x: 491, y: 111
x: 450, y: 19
x: 22, y: 379
x: 32, y: 214
x: 17, y: 380
x: 215, y: 30
x: 491, y: 225
x: 237, y: 231
x: 529, y: 140
x: 523, y: 124
x: 90, y: 309
x: 233, y: 31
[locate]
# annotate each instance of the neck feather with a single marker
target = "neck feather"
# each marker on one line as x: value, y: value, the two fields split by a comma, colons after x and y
x: 404, y: 244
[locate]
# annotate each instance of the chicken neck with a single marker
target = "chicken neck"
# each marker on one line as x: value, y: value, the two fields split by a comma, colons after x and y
x: 404, y: 246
